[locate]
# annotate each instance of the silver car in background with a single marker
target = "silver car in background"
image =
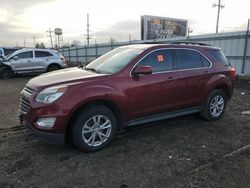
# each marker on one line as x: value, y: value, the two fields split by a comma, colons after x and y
x: 29, y: 60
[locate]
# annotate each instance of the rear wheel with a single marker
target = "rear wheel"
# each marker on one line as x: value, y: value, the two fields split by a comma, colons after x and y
x: 6, y: 73
x: 53, y: 68
x: 94, y: 128
x: 215, y: 105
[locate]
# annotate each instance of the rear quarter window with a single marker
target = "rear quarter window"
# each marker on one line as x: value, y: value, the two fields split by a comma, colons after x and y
x: 219, y: 56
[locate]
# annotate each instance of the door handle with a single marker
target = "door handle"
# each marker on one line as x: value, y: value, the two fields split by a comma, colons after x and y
x: 170, y: 79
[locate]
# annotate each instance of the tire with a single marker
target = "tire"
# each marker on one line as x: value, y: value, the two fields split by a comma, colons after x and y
x: 6, y: 73
x: 89, y: 136
x: 53, y: 68
x: 215, y: 106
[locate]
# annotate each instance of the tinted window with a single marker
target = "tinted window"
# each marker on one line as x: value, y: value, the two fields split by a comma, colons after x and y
x: 186, y: 59
x: 219, y: 56
x: 42, y: 54
x: 25, y: 55
x: 160, y: 60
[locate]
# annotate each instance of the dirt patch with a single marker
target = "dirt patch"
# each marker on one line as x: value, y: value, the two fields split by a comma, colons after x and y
x: 180, y: 152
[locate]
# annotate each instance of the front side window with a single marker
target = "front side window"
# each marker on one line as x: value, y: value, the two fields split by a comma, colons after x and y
x: 24, y: 55
x: 186, y: 59
x: 42, y: 54
x: 160, y: 60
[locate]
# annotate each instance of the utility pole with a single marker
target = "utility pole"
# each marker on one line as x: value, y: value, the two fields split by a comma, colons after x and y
x: 34, y: 39
x: 220, y: 6
x: 88, y: 31
x: 50, y: 36
x: 24, y: 42
x: 245, y: 48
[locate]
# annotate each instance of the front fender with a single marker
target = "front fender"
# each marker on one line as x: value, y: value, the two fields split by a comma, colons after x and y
x: 95, y: 92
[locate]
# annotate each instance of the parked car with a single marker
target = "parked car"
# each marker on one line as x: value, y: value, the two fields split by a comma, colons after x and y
x: 128, y: 86
x: 4, y: 52
x: 28, y: 60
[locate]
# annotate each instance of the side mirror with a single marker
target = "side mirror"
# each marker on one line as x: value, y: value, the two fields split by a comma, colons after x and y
x: 142, y: 70
x: 15, y: 57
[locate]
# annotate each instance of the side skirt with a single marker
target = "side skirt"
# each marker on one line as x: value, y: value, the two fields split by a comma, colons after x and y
x: 159, y: 117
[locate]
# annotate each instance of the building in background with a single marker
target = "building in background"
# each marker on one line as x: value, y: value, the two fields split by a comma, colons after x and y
x: 154, y: 27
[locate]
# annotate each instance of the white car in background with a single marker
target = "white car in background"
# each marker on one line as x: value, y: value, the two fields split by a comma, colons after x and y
x: 29, y: 60
x: 5, y: 51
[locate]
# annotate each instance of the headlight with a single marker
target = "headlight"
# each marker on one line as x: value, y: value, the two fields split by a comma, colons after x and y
x: 50, y: 94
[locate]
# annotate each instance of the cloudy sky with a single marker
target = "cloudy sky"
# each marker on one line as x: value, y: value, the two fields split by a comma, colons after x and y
x: 28, y: 19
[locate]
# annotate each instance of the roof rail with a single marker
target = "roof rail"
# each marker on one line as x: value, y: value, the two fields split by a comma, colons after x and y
x: 190, y: 42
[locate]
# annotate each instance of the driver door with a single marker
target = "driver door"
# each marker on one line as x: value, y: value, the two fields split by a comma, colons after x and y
x: 152, y: 93
x: 22, y: 62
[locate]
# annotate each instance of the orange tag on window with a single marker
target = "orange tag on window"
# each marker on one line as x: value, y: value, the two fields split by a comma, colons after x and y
x: 160, y: 58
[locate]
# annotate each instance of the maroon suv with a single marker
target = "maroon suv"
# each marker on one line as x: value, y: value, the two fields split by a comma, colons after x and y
x: 130, y: 85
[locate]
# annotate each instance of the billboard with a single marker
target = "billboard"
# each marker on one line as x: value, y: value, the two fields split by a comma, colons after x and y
x: 155, y: 27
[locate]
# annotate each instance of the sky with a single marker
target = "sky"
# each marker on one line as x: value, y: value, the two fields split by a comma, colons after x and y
x: 26, y: 21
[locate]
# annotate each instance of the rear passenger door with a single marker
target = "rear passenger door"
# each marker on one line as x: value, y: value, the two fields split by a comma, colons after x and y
x: 42, y: 59
x: 192, y: 73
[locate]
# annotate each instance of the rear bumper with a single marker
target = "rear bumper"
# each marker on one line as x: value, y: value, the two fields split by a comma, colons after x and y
x: 50, y: 138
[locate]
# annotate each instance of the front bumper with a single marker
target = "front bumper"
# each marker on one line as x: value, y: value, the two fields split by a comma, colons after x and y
x: 50, y: 138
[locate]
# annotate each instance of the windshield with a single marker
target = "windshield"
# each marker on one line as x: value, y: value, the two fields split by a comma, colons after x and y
x: 114, y: 61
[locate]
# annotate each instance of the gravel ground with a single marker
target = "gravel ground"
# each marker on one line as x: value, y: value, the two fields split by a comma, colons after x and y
x: 180, y: 152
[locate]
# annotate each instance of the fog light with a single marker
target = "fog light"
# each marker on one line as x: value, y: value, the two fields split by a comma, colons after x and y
x: 46, y: 122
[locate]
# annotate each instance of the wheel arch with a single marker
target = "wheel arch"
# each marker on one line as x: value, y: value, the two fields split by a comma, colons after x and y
x: 51, y: 64
x: 221, y: 82
x: 103, y: 102
x: 224, y: 88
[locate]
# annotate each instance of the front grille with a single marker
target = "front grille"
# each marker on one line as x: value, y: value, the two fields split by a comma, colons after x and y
x: 28, y: 90
x: 24, y: 105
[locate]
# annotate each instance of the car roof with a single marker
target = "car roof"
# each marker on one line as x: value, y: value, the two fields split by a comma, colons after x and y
x: 28, y: 49
x: 173, y: 45
x: 37, y: 49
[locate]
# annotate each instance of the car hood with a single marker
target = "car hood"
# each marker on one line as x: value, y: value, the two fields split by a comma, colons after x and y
x: 64, y: 76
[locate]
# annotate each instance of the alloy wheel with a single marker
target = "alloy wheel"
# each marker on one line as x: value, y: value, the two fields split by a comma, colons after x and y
x: 217, y: 105
x: 96, y: 130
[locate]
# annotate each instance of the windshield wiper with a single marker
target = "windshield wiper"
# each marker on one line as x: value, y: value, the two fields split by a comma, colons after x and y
x: 92, y: 69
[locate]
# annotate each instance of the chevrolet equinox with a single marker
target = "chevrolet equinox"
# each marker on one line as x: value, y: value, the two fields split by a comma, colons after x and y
x: 129, y: 85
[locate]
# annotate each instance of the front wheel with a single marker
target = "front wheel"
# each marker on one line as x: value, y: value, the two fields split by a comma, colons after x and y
x: 6, y: 73
x: 94, y: 128
x: 215, y: 106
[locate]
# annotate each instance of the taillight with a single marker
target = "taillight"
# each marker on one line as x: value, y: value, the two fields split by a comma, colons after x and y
x: 232, y: 72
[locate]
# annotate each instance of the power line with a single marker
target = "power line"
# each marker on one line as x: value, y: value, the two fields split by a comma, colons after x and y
x: 50, y: 36
x: 220, y: 6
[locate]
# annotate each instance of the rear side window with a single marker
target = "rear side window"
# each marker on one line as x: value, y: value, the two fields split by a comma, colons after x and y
x: 219, y: 56
x: 42, y: 54
x: 186, y: 59
x: 24, y: 55
x: 160, y: 60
